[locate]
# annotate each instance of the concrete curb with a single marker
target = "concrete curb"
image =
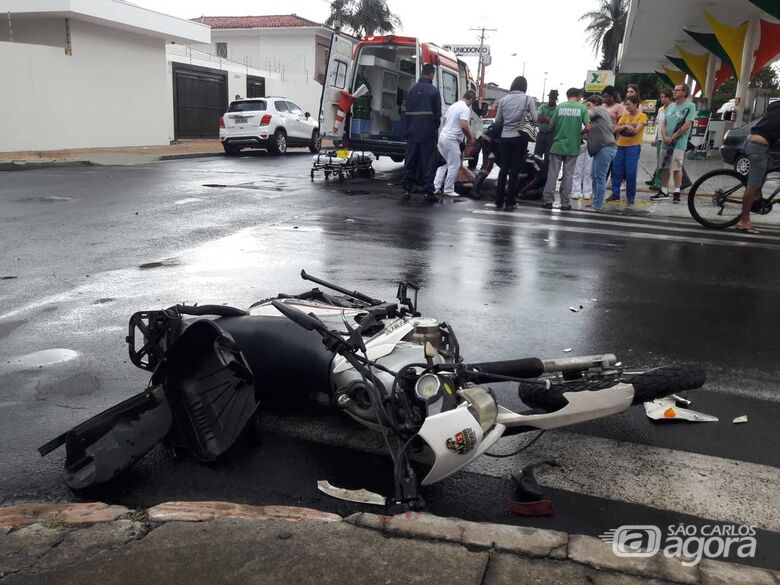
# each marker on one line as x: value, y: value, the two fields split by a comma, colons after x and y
x: 189, y: 155
x: 25, y: 165
x: 534, y: 543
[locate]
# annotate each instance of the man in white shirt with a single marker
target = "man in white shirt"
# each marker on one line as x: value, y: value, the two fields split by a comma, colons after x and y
x: 454, y: 127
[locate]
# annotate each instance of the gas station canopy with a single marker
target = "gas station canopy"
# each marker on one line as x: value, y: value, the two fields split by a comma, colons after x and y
x: 655, y: 28
x: 705, y: 41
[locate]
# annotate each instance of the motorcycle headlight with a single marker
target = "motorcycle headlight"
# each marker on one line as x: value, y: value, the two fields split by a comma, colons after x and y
x: 428, y: 387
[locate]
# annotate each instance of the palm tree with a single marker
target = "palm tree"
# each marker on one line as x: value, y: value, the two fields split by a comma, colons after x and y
x: 605, y: 29
x: 363, y: 17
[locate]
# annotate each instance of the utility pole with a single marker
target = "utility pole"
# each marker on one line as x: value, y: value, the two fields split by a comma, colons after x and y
x: 480, y: 64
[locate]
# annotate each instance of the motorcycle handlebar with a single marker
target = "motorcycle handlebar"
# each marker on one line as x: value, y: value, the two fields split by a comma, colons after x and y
x: 522, y: 368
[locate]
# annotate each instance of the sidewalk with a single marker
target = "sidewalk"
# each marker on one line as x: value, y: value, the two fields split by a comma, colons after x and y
x: 644, y: 207
x: 218, y: 542
x: 131, y: 155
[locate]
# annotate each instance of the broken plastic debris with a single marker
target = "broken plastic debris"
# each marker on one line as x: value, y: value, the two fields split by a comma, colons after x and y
x: 740, y: 419
x: 666, y: 409
x: 567, y: 350
x: 594, y: 300
x: 359, y: 496
x: 680, y: 400
x: 575, y: 309
x: 348, y: 220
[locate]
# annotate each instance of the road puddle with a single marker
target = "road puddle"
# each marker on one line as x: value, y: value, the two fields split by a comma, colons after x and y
x: 46, y: 357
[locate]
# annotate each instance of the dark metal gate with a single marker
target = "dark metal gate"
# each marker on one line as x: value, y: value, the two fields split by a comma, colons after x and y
x: 199, y: 99
x: 255, y: 86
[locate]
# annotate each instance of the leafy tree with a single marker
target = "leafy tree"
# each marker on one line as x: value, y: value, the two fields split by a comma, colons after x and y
x: 767, y: 78
x: 605, y: 29
x: 363, y: 18
x: 650, y: 85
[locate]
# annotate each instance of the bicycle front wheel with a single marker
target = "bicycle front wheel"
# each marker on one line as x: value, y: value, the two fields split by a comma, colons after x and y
x: 715, y: 199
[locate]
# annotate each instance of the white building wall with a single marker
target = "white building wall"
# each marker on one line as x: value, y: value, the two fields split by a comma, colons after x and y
x: 112, y: 91
x: 290, y: 53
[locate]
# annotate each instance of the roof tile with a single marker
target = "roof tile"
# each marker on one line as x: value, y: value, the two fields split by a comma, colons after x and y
x: 274, y: 21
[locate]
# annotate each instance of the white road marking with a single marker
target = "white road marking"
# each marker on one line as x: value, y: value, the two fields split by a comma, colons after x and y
x: 628, y: 222
x: 710, y: 487
x: 559, y: 227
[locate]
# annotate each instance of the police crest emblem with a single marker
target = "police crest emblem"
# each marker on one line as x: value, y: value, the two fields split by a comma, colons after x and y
x: 462, y: 442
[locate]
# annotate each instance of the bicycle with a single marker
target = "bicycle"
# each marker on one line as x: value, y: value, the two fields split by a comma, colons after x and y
x: 715, y: 199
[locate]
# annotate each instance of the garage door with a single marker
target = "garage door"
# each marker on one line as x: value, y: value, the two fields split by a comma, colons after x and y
x: 199, y: 99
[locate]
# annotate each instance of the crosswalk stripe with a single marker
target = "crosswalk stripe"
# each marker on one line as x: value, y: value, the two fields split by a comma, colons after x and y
x: 711, y: 487
x: 689, y: 483
x: 559, y: 227
x: 668, y: 227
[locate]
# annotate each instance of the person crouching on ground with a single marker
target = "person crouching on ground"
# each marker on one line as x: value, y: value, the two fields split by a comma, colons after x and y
x: 602, y: 147
x: 630, y: 131
x: 567, y: 122
x: 514, y: 110
x: 454, y: 127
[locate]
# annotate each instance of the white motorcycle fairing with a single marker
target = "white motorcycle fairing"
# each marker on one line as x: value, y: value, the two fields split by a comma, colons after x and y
x: 456, y: 439
x: 581, y: 407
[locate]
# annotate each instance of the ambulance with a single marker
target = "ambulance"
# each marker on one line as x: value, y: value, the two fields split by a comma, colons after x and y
x: 388, y: 66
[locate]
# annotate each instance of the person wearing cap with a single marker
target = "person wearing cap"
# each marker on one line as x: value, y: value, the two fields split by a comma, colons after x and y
x: 544, y: 135
x: 423, y: 115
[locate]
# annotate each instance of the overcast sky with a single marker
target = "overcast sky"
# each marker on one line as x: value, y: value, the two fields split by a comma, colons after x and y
x: 547, y: 36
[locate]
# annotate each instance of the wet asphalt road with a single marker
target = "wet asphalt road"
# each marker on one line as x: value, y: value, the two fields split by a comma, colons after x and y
x: 85, y: 248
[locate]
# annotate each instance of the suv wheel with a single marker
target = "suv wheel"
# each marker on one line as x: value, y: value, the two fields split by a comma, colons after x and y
x: 316, y: 141
x: 279, y: 142
x: 742, y: 165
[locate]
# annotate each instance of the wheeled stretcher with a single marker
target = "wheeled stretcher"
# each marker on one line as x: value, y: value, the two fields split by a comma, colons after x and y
x: 343, y: 164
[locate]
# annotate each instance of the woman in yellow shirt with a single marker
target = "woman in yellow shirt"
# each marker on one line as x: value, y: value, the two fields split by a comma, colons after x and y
x: 630, y: 131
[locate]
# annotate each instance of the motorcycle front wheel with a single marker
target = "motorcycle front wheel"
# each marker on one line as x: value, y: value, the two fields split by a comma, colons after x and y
x: 648, y: 385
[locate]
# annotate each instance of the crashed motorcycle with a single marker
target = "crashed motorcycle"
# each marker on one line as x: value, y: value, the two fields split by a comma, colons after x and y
x: 381, y: 363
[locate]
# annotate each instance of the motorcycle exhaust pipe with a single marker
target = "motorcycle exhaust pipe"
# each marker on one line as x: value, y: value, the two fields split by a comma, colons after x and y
x: 585, y: 362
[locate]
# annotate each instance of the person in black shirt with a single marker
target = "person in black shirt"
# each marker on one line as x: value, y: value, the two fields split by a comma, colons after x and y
x: 762, y: 136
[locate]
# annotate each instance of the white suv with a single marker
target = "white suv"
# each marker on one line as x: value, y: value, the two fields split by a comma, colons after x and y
x: 273, y: 123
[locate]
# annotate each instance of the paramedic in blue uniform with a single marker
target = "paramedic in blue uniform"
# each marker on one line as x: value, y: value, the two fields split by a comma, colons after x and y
x: 423, y: 116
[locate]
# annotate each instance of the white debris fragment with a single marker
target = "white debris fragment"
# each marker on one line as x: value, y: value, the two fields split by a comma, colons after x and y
x: 567, y: 350
x: 348, y: 220
x: 667, y: 409
x: 740, y: 419
x: 574, y: 309
x: 593, y: 300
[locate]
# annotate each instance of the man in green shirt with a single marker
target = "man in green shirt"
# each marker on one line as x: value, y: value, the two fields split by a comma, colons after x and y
x: 544, y: 136
x: 568, y: 122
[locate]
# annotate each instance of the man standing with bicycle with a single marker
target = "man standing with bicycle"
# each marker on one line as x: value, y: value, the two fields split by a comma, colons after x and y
x: 675, y: 130
x: 762, y: 136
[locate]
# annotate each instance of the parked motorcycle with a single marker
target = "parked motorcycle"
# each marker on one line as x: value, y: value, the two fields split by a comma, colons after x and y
x: 381, y: 363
